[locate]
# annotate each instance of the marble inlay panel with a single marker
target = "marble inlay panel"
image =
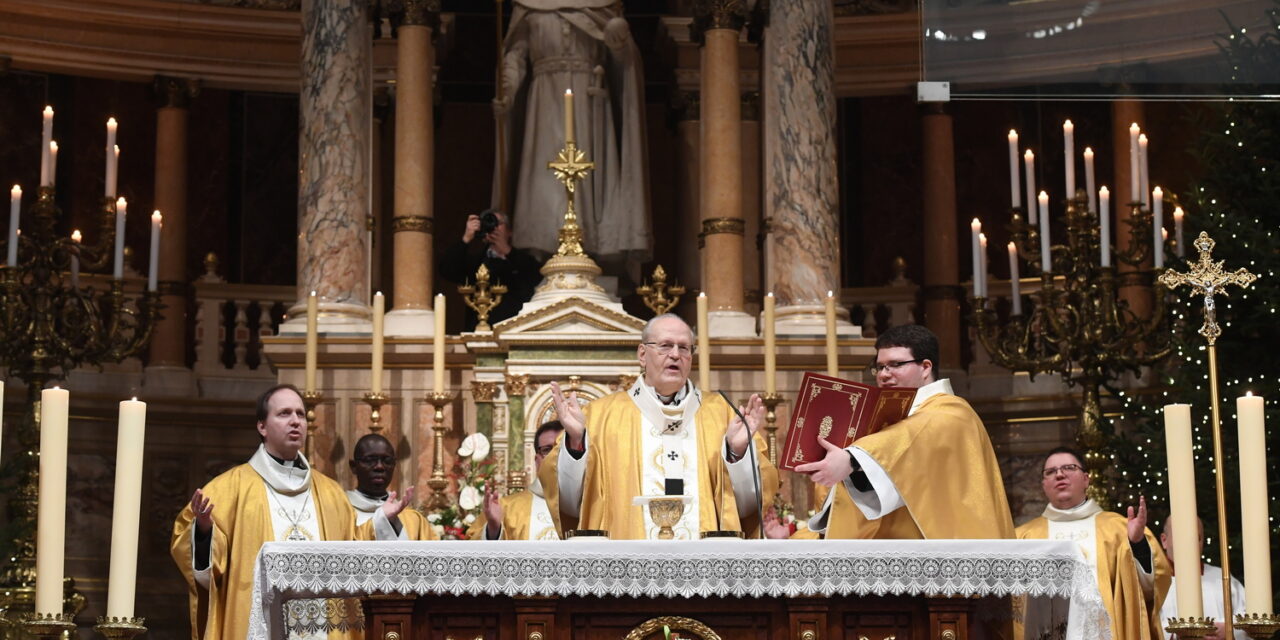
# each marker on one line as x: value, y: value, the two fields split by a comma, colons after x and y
x: 333, y: 180
x: 801, y: 183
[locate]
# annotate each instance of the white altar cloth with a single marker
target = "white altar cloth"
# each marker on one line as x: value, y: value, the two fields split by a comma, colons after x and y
x: 1056, y: 570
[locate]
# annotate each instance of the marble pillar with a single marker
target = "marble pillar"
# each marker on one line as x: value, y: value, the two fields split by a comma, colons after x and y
x: 800, y: 179
x: 720, y: 169
x: 751, y: 203
x: 941, y: 291
x: 1132, y: 287
x: 688, y: 136
x: 167, y: 370
x: 333, y: 156
x: 411, y: 314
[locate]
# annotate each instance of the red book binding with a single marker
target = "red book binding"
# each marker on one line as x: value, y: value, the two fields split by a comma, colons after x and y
x: 839, y: 411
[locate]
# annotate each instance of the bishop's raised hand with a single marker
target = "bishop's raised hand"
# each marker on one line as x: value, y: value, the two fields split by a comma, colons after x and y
x: 569, y: 413
x: 738, y: 434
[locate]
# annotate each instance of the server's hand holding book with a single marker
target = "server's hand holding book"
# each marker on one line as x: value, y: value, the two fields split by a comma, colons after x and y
x: 838, y: 411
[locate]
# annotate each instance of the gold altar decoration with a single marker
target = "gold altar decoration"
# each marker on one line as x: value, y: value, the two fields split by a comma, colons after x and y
x: 1078, y: 326
x: 771, y: 402
x: 310, y: 400
x: 570, y: 268
x: 666, y: 513
x: 120, y: 628
x: 1259, y: 626
x: 375, y: 402
x: 653, y: 628
x: 438, y: 482
x: 1190, y: 627
x: 658, y: 295
x: 482, y: 297
x: 48, y: 627
x: 1208, y: 279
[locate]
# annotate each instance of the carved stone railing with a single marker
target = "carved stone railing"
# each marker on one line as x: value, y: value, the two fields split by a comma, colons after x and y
x: 230, y: 321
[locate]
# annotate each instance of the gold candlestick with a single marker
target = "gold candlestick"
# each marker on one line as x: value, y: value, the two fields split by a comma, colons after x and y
x: 1258, y: 625
x: 375, y: 402
x: 48, y: 627
x: 771, y: 402
x: 482, y: 297
x: 438, y: 481
x: 1208, y: 279
x: 310, y: 399
x: 120, y: 628
x: 1190, y: 627
x: 660, y: 296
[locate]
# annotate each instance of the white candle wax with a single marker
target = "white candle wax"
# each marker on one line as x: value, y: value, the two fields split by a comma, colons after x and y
x: 1046, y: 254
x: 1182, y: 509
x: 75, y: 259
x: 312, y: 343
x: 975, y: 229
x: 153, y: 270
x: 53, y: 163
x: 115, y: 172
x: 1069, y: 156
x: 1177, y: 232
x: 770, y: 345
x: 15, y: 215
x: 1089, y: 179
x: 1015, y: 193
x: 1144, y: 176
x: 126, y: 510
x: 1015, y: 286
x: 833, y: 356
x: 1029, y: 160
x: 437, y: 351
x: 704, y: 344
x: 51, y: 503
x: 117, y: 270
x: 1157, y: 226
x: 982, y: 262
x: 375, y: 369
x: 568, y: 116
x: 1135, y: 181
x: 46, y: 136
x: 1104, y: 220
x: 1254, y: 525
x: 110, y: 181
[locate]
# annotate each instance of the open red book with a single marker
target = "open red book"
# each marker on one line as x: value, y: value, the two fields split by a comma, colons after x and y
x: 839, y: 411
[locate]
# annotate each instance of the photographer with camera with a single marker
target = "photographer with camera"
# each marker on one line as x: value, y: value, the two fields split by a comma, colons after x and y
x: 487, y: 240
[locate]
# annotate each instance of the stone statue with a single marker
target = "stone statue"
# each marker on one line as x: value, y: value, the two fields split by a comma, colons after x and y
x: 586, y: 46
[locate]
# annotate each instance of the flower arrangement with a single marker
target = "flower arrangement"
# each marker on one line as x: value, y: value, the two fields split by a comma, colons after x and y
x: 471, y: 471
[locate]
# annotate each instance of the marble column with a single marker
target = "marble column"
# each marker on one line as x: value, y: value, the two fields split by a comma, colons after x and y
x: 167, y: 365
x: 720, y: 168
x: 1132, y: 287
x: 941, y: 291
x: 800, y: 178
x: 411, y: 314
x: 751, y: 203
x: 333, y: 156
x: 688, y: 141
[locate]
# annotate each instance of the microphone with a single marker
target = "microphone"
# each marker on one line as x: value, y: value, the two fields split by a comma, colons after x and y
x: 755, y: 467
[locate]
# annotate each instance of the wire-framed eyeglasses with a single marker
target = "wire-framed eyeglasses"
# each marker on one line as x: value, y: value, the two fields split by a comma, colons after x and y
x: 665, y: 348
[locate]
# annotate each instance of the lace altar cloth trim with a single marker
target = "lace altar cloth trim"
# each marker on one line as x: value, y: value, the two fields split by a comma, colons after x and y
x: 751, y: 568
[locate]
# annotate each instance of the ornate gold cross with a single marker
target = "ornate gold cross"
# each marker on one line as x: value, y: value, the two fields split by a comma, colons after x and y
x: 1207, y: 278
x: 569, y: 167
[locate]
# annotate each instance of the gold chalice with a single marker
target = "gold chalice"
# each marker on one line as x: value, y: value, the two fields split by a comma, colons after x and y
x: 665, y: 512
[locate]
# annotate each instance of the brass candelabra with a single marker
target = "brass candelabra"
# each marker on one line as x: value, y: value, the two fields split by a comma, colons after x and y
x: 51, y: 323
x: 482, y: 297
x: 438, y: 482
x: 1078, y: 326
x: 658, y: 295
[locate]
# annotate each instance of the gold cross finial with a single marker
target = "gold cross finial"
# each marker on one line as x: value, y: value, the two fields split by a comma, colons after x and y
x: 1207, y: 278
x: 569, y: 167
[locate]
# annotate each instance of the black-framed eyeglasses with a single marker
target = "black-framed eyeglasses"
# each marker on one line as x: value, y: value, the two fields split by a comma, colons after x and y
x: 876, y: 367
x: 544, y: 450
x: 665, y: 348
x: 370, y: 461
x: 1066, y: 468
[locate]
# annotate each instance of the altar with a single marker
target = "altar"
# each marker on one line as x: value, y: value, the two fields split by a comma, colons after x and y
x: 807, y: 590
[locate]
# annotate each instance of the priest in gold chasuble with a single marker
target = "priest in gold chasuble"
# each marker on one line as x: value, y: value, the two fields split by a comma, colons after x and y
x: 274, y: 496
x: 523, y: 515
x: 1133, y: 573
x: 373, y: 463
x: 659, y: 437
x: 933, y: 475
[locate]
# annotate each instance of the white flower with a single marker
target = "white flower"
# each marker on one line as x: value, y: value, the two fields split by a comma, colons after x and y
x: 433, y: 518
x: 439, y: 531
x: 471, y: 517
x: 469, y: 498
x: 474, y: 446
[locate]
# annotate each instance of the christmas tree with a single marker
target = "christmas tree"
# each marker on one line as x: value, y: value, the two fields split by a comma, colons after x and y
x: 1237, y: 202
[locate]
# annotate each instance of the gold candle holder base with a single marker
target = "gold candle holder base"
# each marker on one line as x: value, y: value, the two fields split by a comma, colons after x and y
x: 120, y: 628
x: 771, y: 402
x: 310, y: 400
x: 48, y: 627
x: 375, y: 402
x: 438, y: 482
x: 1191, y: 627
x: 1258, y: 625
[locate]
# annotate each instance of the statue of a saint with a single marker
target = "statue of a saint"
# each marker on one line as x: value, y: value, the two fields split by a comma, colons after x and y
x: 586, y: 46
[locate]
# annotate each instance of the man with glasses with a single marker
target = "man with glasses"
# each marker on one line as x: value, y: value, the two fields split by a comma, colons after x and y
x: 659, y: 437
x: 523, y: 515
x: 373, y: 463
x: 932, y: 475
x: 1133, y: 574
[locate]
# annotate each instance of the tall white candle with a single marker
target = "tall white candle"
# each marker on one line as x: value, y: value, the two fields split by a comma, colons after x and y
x: 46, y: 136
x: 153, y: 270
x: 1135, y: 179
x: 1177, y: 232
x: 52, y: 501
x: 75, y: 259
x: 1, y: 412
x: 975, y: 229
x: 704, y: 344
x: 437, y: 351
x: 833, y: 356
x: 982, y: 262
x: 1015, y: 192
x: 1104, y: 220
x: 115, y: 172
x: 1089, y: 179
x: 1029, y: 160
x: 375, y: 370
x: 1143, y: 175
x: 1182, y: 509
x: 312, y: 343
x: 15, y: 214
x: 117, y: 270
x: 770, y: 345
x: 568, y: 116
x: 53, y: 163
x: 126, y: 511
x: 1069, y: 156
x: 1157, y: 226
x: 1254, y: 524
x: 1015, y: 286
x: 1046, y: 254
x: 109, y: 183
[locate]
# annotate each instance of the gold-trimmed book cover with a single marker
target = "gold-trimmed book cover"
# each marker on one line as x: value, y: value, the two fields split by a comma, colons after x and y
x: 839, y: 411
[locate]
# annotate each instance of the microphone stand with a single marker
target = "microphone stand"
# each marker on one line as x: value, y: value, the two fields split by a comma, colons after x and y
x: 755, y: 467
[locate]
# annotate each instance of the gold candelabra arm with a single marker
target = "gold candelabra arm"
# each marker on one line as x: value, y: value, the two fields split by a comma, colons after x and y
x: 658, y: 295
x: 482, y: 297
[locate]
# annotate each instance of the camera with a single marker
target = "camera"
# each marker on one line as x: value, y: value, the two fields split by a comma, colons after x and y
x: 489, y: 221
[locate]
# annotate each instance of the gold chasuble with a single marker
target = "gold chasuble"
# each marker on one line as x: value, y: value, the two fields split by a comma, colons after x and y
x: 242, y: 523
x: 1134, y: 615
x: 616, y: 466
x: 940, y: 461
x: 413, y: 525
x: 520, y: 519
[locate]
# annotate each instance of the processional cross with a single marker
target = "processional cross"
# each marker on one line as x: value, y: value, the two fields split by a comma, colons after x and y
x: 1207, y: 278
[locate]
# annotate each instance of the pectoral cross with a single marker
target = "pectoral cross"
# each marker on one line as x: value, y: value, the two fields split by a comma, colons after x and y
x: 1207, y: 278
